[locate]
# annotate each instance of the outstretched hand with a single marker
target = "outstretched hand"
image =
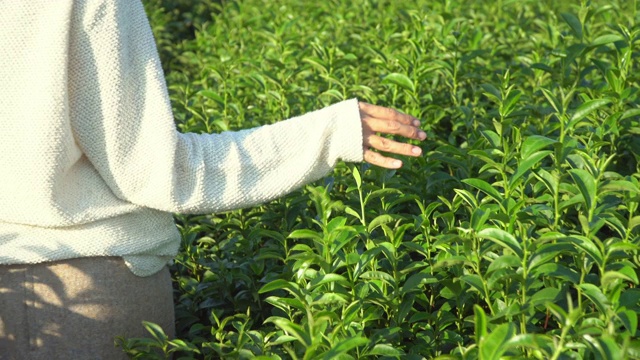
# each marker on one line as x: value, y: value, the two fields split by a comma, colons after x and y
x: 378, y: 119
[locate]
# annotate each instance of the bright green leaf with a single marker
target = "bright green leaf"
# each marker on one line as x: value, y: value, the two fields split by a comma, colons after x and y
x: 400, y: 80
x: 484, y: 187
x: 502, y: 238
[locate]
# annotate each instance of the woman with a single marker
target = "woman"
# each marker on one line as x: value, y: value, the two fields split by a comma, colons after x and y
x: 93, y: 168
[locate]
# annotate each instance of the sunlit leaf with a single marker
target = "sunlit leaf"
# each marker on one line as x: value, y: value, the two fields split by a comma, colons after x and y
x: 629, y: 319
x: 475, y: 281
x: 502, y: 238
x: 535, y: 143
x: 587, y: 185
x: 494, y: 344
x: 292, y: 329
x: 484, y: 187
x: 588, y: 246
x: 587, y: 108
x: 596, y: 296
x: 400, y: 80
x: 527, y: 164
x: 480, y: 323
x: 606, y: 39
x: 305, y: 234
x: 385, y: 350
x: 328, y: 278
x: 543, y: 296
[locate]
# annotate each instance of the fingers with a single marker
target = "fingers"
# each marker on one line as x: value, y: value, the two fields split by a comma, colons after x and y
x: 387, y: 145
x: 385, y: 113
x: 393, y: 127
x: 378, y: 159
x: 378, y: 119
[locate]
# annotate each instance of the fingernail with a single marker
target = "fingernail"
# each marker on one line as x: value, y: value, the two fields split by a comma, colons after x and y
x: 397, y: 163
x: 422, y: 135
x: 416, y: 122
x: 416, y: 150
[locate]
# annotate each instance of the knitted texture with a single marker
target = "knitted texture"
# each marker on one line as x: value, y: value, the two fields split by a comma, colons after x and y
x: 91, y: 161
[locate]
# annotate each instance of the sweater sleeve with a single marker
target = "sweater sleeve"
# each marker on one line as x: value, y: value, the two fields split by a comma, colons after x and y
x: 122, y: 121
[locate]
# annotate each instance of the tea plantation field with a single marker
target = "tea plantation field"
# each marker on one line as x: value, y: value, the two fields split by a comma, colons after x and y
x: 516, y: 235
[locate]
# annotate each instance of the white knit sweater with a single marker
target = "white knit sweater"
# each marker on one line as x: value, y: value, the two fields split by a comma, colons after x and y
x: 91, y: 162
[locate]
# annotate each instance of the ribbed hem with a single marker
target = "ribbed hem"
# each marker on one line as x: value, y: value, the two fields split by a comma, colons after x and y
x: 145, y: 239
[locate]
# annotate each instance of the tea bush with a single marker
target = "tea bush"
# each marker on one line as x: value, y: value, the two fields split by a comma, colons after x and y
x: 515, y: 236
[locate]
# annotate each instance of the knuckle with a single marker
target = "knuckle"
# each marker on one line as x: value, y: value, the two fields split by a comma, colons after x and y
x: 385, y: 144
x: 390, y: 112
x: 392, y: 125
x: 370, y: 156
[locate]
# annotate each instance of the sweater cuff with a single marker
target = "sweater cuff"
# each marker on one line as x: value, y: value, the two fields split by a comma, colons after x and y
x: 348, y: 142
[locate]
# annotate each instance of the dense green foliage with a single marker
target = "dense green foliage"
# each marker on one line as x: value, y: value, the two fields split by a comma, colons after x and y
x: 515, y: 236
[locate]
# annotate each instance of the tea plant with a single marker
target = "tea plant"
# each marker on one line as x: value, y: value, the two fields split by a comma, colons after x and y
x: 515, y: 236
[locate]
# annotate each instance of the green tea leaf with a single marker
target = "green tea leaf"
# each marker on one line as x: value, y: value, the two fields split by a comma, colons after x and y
x: 527, y: 164
x: 385, y: 350
x: 559, y: 271
x: 504, y: 261
x: 478, y: 218
x: 484, y: 187
x: 606, y: 39
x: 292, y: 329
x: 282, y: 339
x: 617, y: 186
x: 353, y: 213
x: 212, y: 95
x: 553, y: 100
x: 534, y: 143
x: 480, y: 323
x: 548, y: 294
x: 494, y: 344
x: 502, y: 238
x: 630, y: 113
x: 415, y: 282
x: 492, y: 92
x: 305, y: 234
x: 586, y: 184
x: 278, y: 284
x: 494, y: 139
x: 380, y: 220
x: 585, y: 109
x: 317, y: 63
x: 156, y: 331
x: 547, y: 252
x: 605, y: 346
x: 509, y: 103
x: 548, y: 179
x: 539, y: 342
x: 328, y: 278
x: 634, y: 222
x: 329, y: 298
x: 588, y: 246
x: 475, y: 281
x: 624, y: 272
x: 629, y: 319
x: 596, y: 296
x: 574, y: 23
x: 400, y: 80
x: 356, y: 176
x: 501, y: 276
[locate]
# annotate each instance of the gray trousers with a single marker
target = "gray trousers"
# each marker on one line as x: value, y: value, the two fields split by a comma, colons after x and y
x: 74, y: 309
